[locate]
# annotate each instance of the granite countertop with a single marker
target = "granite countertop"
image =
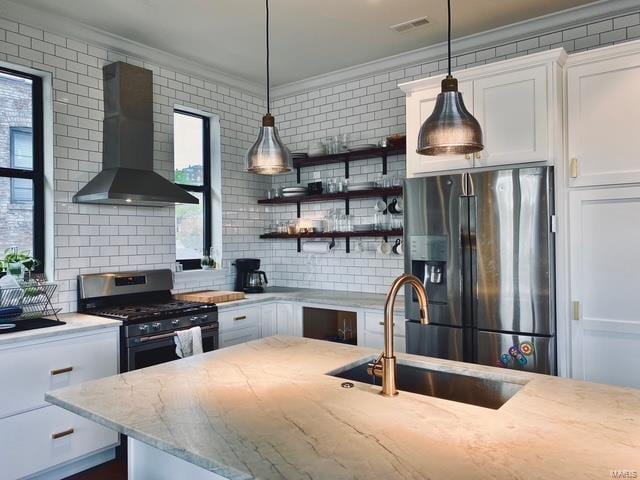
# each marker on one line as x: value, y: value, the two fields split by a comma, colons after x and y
x: 267, y: 409
x: 374, y: 301
x: 75, y: 323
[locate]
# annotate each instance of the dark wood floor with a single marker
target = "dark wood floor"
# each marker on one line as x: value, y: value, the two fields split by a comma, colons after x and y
x: 113, y: 470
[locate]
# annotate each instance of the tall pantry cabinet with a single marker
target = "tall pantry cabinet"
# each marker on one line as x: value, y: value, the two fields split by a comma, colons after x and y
x: 603, y: 141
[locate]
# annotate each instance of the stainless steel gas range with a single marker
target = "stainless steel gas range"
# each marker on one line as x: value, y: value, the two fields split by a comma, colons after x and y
x: 150, y: 315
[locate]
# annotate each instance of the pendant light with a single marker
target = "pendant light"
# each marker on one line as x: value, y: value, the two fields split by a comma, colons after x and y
x: 450, y: 129
x: 268, y: 156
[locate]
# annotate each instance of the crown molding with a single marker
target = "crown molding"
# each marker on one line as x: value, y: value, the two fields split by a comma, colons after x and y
x: 479, y: 41
x: 70, y: 29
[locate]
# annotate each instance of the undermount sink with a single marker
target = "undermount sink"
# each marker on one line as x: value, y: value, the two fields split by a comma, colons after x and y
x: 477, y: 391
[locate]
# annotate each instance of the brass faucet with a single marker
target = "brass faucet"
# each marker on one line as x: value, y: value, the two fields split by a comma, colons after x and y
x: 385, y: 366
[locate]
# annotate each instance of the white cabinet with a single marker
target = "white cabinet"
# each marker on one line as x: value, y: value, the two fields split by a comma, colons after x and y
x: 289, y: 319
x: 37, y: 436
x: 419, y: 106
x: 603, y: 115
x: 605, y: 274
x: 517, y: 102
x: 512, y: 110
x: 268, y: 325
x: 239, y: 325
x: 40, y: 439
x: 29, y: 371
x: 373, y: 332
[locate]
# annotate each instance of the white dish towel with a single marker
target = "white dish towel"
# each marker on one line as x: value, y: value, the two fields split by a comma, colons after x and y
x: 188, y: 342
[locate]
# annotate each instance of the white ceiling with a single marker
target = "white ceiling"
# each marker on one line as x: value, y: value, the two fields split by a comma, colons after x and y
x: 308, y: 37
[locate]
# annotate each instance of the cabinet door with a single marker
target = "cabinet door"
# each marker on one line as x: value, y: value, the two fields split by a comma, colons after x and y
x: 47, y: 437
x: 513, y: 113
x: 373, y: 336
x: 420, y: 106
x: 239, y: 325
x: 268, y: 323
x: 603, y: 103
x: 288, y: 319
x: 27, y: 372
x: 605, y: 274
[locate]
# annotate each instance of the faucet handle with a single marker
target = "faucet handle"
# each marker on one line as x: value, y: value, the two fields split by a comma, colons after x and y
x: 375, y: 368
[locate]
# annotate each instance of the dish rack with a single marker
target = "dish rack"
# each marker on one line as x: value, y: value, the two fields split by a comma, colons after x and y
x: 30, y: 300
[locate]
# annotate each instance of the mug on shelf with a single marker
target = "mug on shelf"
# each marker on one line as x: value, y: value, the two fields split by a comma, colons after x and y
x: 384, y: 248
x: 397, y: 248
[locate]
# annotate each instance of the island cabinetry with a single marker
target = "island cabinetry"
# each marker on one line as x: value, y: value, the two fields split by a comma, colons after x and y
x: 40, y: 439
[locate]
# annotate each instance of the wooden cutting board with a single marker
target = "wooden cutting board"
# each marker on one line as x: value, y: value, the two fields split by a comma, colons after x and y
x: 210, y: 296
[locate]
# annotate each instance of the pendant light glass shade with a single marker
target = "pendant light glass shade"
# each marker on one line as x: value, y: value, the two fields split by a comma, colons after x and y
x: 268, y: 156
x: 450, y: 129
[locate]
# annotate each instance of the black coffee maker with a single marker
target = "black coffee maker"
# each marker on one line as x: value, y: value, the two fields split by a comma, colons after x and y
x: 249, y: 277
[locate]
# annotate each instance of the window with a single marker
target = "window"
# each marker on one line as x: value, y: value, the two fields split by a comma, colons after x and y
x: 21, y: 163
x: 21, y: 151
x: 192, y: 163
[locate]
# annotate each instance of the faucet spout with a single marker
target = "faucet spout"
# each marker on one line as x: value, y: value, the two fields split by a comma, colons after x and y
x: 385, y: 366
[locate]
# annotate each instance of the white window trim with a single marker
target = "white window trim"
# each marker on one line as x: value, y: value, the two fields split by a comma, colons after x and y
x: 216, y: 194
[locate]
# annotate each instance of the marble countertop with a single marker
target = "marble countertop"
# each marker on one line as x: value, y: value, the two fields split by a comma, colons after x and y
x: 373, y: 301
x: 268, y: 409
x: 75, y: 323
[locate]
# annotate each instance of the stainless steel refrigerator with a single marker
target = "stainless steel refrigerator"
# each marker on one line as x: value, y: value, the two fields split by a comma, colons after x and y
x: 482, y: 243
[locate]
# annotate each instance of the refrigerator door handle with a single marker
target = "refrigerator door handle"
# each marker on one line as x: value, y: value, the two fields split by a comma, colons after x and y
x: 470, y: 188
x: 464, y: 184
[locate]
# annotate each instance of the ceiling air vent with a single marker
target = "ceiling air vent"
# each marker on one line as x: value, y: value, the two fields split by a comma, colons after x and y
x: 409, y: 25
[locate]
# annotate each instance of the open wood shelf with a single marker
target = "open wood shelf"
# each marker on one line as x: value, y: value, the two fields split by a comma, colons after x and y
x: 327, y: 197
x: 349, y: 156
x: 368, y: 233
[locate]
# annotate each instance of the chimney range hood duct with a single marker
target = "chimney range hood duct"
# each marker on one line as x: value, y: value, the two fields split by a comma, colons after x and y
x: 127, y: 176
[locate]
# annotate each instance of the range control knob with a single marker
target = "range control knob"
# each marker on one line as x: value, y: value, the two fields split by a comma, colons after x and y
x: 175, y: 322
x: 143, y: 328
x: 193, y: 319
x: 155, y: 325
x: 203, y: 318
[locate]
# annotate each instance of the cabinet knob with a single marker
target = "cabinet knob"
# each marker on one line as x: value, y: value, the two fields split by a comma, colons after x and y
x: 467, y: 156
x: 477, y: 155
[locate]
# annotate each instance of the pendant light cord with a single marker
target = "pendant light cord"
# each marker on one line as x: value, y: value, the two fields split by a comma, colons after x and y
x: 268, y: 83
x: 448, y: 35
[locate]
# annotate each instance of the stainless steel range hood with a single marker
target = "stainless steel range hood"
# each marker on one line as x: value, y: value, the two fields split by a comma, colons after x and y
x: 127, y: 176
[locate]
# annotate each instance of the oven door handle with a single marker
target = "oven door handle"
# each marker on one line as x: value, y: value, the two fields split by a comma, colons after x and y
x: 172, y: 334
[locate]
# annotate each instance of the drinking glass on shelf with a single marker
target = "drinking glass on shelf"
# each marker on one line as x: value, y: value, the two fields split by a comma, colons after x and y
x: 396, y: 222
x: 343, y: 142
x: 332, y: 185
x: 329, y: 146
x: 343, y: 185
x: 381, y: 221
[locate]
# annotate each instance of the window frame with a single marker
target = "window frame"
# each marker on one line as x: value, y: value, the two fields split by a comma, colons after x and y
x: 36, y: 175
x: 12, y: 156
x: 204, y: 189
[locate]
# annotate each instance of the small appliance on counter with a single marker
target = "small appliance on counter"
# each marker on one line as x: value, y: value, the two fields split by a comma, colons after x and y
x: 249, y: 278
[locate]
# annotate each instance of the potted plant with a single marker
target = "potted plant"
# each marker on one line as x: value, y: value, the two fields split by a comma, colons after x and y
x: 16, y: 261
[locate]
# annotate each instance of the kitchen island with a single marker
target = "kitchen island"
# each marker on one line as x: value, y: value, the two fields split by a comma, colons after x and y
x: 268, y: 409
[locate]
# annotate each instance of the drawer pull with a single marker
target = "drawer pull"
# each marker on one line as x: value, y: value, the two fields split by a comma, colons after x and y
x: 382, y: 323
x: 64, y: 433
x: 243, y: 317
x: 60, y: 371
